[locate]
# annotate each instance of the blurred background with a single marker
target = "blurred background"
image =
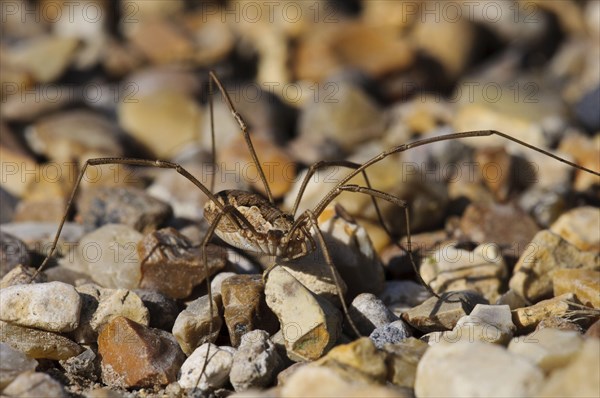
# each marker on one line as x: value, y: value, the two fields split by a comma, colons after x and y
x: 315, y: 80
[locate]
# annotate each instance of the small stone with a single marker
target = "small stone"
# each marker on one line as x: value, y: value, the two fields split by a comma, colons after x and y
x: 482, y: 270
x: 527, y: 318
x: 216, y: 283
x: 52, y: 306
x: 498, y: 182
x: 585, y: 152
x: 45, y: 57
x: 66, y: 275
x: 579, y: 227
x: 320, y: 381
x: 35, y: 384
x: 21, y: 275
x: 119, y: 303
x: 109, y: 254
x: 486, y: 323
x: 37, y: 343
x: 193, y: 325
x: 245, y: 308
x: 547, y: 253
x: 83, y: 367
x: 135, y: 355
x: 400, y: 296
x: 121, y: 205
x: 217, y: 369
x: 14, y: 362
x: 504, y: 224
x: 41, y: 234
x: 369, y: 313
x: 545, y: 205
x: 172, y: 266
x: 74, y: 135
x: 255, y: 363
x: 391, y: 333
x: 403, y: 358
x: 8, y: 202
x: 310, y: 325
x: 163, y: 311
x: 475, y: 369
x: 162, y: 41
x: 12, y: 253
x: 163, y: 121
x: 359, y: 360
x: 442, y: 314
x: 579, y: 378
x: 556, y: 322
x: 512, y: 299
x: 548, y: 348
x: 585, y: 284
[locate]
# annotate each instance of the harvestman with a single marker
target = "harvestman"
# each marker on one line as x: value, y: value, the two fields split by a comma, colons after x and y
x: 249, y: 221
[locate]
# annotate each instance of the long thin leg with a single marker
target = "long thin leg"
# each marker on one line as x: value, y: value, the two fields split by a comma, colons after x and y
x: 401, y: 148
x: 134, y: 162
x: 244, y: 127
x: 213, y: 150
x: 209, y: 234
x: 401, y: 203
x: 310, y: 216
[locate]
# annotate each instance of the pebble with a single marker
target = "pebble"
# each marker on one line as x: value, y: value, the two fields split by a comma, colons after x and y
x: 135, y: 355
x: 15, y: 158
x: 216, y: 283
x: 83, y: 367
x: 161, y: 41
x: 245, y: 308
x: 74, y: 135
x: 504, y: 224
x: 66, y: 275
x: 21, y: 275
x: 35, y: 384
x: 217, y: 370
x: 579, y: 378
x: 556, y: 322
x: 512, y: 299
x: 316, y: 382
x: 255, y: 363
x: 172, y: 266
x: 548, y: 348
x: 543, y: 204
x: 163, y: 310
x: 585, y: 284
x: 45, y: 201
x: 38, y: 236
x: 368, y: 313
x: 482, y: 270
x: 498, y: 181
x: 44, y: 57
x: 12, y: 253
x: 192, y: 326
x: 527, y: 318
x: 163, y: 121
x: 37, y: 343
x: 400, y: 296
x: 390, y: 333
x: 486, y: 323
x: 442, y: 314
x: 118, y: 303
x: 579, y: 227
x: 475, y: 369
x: 594, y: 330
x: 547, y: 253
x: 14, y: 362
x: 585, y: 152
x: 121, y: 205
x: 403, y: 358
x: 310, y: 325
x: 52, y: 306
x: 109, y: 255
x: 345, y: 123
x: 8, y: 203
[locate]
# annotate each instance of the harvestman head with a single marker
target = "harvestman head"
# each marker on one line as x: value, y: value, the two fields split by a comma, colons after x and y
x: 251, y: 222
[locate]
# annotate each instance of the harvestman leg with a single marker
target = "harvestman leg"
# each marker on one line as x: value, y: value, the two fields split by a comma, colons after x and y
x: 133, y: 162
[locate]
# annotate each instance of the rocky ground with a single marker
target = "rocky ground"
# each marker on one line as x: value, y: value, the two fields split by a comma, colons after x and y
x: 508, y: 237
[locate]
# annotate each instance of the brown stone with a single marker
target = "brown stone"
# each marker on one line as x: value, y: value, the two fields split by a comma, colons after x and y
x: 357, y: 360
x: 245, y: 308
x: 584, y: 283
x: 195, y: 326
x: 546, y: 254
x: 38, y: 343
x: 134, y: 355
x: 504, y: 224
x: 161, y: 41
x: 586, y: 153
x: 494, y: 165
x: 172, y: 266
x: 580, y: 227
x: 527, y: 318
x: 403, y: 359
x: 442, y: 314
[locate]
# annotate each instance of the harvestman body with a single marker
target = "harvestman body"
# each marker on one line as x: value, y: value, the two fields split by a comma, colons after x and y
x: 253, y: 223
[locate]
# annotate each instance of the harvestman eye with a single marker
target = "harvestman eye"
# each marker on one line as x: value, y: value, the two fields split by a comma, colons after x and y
x: 255, y: 218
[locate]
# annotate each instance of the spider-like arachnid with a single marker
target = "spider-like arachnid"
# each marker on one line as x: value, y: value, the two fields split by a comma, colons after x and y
x: 252, y: 222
